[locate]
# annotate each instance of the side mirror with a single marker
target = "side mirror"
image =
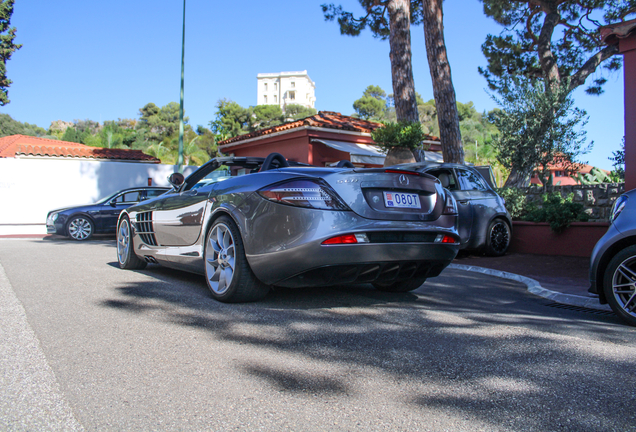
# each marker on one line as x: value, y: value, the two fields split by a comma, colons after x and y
x: 113, y: 204
x: 176, y: 180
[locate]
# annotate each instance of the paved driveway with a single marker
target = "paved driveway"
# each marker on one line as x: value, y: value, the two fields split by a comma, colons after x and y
x: 89, y: 346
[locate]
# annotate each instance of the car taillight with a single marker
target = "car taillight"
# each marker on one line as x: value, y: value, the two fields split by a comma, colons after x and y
x: 450, y: 205
x: 304, y: 193
x: 347, y: 239
x: 443, y: 238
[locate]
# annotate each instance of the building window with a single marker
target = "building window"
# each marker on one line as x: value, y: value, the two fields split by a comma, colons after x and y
x: 275, y: 86
x: 292, y: 95
x: 275, y: 99
x: 293, y: 84
x: 265, y: 98
x: 265, y: 86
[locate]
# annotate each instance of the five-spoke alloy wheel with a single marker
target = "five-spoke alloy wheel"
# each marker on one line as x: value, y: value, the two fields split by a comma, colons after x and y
x: 227, y: 271
x: 620, y: 284
x: 125, y: 254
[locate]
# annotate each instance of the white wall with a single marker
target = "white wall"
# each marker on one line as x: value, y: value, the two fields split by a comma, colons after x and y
x: 30, y: 187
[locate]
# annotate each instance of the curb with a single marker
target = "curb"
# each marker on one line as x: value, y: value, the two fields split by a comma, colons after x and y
x: 534, y: 287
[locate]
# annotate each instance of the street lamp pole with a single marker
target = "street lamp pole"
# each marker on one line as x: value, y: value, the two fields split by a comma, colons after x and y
x: 180, y: 159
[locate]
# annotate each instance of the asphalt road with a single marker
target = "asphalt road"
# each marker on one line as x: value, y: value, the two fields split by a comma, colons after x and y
x: 87, y: 346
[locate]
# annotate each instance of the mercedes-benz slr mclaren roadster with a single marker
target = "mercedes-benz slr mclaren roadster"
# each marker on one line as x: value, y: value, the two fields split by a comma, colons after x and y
x: 250, y: 223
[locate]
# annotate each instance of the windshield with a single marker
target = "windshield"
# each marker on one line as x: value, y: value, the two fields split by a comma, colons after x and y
x: 222, y: 173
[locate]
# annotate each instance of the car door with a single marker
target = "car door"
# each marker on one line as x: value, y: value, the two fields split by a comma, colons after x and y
x: 464, y: 208
x: 106, y: 216
x: 483, y: 199
x: 178, y: 216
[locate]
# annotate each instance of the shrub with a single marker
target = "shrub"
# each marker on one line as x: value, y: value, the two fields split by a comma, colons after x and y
x: 402, y: 134
x: 560, y: 212
x: 516, y: 201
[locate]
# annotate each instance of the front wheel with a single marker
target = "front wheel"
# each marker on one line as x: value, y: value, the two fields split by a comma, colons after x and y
x: 80, y: 228
x: 125, y: 254
x: 400, y: 287
x: 497, y: 238
x: 619, y: 284
x: 227, y: 271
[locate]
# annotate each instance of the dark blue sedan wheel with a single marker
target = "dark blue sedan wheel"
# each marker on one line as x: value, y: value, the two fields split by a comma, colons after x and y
x: 80, y: 228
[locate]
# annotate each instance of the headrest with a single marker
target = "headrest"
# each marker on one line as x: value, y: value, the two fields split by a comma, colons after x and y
x: 445, y: 179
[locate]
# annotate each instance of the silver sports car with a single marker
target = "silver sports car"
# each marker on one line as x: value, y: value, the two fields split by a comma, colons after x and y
x: 250, y: 223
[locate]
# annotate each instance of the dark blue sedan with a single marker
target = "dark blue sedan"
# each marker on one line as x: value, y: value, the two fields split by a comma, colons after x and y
x: 81, y: 222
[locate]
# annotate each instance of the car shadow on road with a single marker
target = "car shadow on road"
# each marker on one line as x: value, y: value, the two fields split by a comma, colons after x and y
x: 458, y: 346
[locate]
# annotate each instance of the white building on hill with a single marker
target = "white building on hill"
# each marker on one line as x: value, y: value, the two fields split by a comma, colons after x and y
x: 285, y: 88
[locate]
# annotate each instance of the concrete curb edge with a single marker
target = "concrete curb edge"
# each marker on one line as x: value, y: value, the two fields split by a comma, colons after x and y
x: 534, y: 287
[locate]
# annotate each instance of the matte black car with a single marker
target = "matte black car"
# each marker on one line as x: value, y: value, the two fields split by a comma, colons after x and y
x: 81, y: 222
x: 249, y: 223
x: 613, y: 261
x: 484, y: 223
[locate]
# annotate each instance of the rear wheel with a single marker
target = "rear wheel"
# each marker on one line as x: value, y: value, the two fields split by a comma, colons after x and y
x: 402, y: 286
x: 125, y: 253
x: 497, y: 238
x: 80, y: 228
x: 227, y: 272
x: 619, y: 285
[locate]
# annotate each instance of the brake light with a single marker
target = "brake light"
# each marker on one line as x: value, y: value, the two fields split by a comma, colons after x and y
x: 443, y: 238
x: 347, y: 239
x: 343, y: 239
x: 304, y: 193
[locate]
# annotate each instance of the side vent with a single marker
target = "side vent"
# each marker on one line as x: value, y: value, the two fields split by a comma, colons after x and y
x: 144, y: 228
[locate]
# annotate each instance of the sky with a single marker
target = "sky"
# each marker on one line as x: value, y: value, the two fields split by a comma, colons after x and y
x: 105, y: 60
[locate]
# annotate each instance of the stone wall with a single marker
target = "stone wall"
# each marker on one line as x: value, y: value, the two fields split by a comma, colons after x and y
x: 598, y: 199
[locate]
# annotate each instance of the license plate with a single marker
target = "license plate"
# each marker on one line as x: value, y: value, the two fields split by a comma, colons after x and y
x: 401, y: 200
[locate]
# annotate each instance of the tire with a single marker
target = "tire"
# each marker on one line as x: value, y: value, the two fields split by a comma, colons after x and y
x: 227, y: 272
x: 125, y: 248
x: 80, y: 228
x: 619, y: 284
x: 497, y: 238
x: 400, y: 287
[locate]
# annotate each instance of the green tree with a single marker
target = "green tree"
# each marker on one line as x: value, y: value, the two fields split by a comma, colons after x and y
x: 160, y: 122
x: 372, y: 105
x: 264, y: 116
x: 9, y: 126
x: 538, y: 124
x: 552, y: 40
x: 618, y: 162
x: 387, y: 19
x: 70, y: 135
x: 231, y: 119
x: 295, y: 112
x: 7, y: 47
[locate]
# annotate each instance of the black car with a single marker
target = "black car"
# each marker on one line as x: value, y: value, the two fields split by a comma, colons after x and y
x: 484, y: 223
x: 81, y: 222
x: 613, y: 261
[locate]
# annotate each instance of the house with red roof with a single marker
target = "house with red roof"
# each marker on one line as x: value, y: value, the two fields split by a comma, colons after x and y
x: 23, y: 146
x: 38, y: 175
x: 323, y: 139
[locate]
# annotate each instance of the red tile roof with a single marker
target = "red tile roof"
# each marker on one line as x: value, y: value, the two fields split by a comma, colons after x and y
x: 324, y: 119
x: 22, y: 145
x: 611, y: 33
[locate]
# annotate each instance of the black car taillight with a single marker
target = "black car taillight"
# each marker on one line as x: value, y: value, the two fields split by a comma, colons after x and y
x: 313, y: 194
x: 450, y: 205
